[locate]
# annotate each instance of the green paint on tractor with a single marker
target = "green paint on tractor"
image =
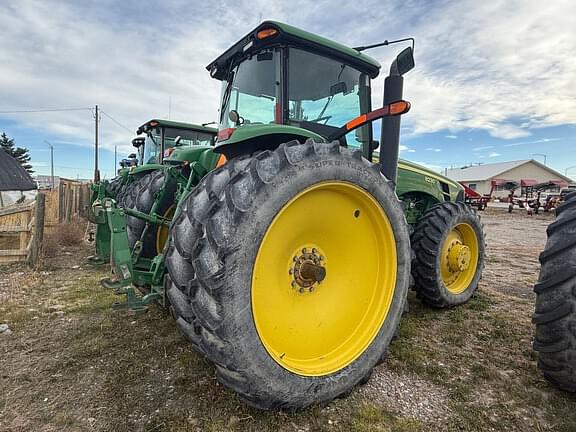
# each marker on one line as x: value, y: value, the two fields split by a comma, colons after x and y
x: 157, y: 151
x: 292, y: 101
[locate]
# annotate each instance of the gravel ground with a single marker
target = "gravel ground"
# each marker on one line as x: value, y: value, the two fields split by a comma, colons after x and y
x: 407, y: 394
x: 70, y: 364
x: 513, y: 243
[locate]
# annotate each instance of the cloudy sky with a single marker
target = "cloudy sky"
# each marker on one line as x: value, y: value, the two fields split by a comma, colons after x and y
x: 494, y: 80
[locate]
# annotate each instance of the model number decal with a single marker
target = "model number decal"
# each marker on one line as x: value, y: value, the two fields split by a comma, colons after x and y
x: 430, y: 180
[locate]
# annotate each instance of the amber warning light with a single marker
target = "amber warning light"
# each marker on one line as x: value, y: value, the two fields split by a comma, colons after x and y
x: 394, y: 109
x: 266, y: 33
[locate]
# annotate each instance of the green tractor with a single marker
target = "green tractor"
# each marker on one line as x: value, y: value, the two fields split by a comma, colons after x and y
x: 289, y: 266
x: 164, y: 147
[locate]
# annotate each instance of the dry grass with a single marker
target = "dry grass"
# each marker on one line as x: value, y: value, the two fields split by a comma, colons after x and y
x: 70, y: 234
x: 73, y: 365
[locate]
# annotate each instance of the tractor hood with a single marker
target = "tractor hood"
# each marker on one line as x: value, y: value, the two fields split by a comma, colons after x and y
x: 186, y: 154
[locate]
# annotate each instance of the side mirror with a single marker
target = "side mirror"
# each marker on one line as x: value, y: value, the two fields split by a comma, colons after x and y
x: 132, y: 156
x: 405, y: 61
x: 235, y: 118
x: 138, y: 141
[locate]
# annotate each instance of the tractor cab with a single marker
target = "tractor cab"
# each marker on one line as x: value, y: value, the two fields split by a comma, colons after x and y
x: 280, y: 82
x: 163, y: 137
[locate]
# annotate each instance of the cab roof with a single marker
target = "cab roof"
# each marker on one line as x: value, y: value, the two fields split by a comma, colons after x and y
x: 176, y: 125
x: 289, y: 35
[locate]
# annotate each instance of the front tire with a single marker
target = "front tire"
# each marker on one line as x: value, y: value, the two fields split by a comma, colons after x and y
x: 555, y: 311
x: 448, y: 244
x: 279, y: 338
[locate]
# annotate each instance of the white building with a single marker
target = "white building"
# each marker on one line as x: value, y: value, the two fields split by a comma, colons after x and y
x: 16, y: 185
x: 45, y: 181
x: 524, y: 172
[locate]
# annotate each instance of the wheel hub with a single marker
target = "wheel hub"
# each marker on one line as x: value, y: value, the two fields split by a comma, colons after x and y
x: 307, y: 268
x: 459, y: 256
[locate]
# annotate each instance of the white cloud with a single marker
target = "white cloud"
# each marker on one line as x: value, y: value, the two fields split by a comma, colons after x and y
x: 433, y: 149
x: 538, y: 141
x: 494, y: 154
x: 482, y: 148
x: 465, y: 79
x: 72, y: 54
x: 406, y: 149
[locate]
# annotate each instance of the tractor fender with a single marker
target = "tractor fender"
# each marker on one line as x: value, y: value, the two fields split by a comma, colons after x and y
x: 246, y: 139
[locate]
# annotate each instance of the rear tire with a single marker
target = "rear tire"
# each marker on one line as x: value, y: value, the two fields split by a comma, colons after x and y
x: 439, y: 281
x: 213, y: 260
x: 141, y: 196
x: 124, y: 192
x: 555, y: 311
x: 114, y: 186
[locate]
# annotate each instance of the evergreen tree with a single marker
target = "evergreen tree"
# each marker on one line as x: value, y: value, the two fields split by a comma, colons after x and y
x: 18, y: 153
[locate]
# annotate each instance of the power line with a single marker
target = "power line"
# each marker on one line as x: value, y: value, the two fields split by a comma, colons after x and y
x: 44, y: 110
x: 117, y: 122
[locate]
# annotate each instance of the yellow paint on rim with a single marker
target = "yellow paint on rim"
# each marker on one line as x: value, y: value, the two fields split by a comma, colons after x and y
x: 163, y: 231
x: 320, y: 331
x: 459, y: 258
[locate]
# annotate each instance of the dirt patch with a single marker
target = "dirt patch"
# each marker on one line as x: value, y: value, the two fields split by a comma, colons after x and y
x: 513, y: 243
x: 71, y: 364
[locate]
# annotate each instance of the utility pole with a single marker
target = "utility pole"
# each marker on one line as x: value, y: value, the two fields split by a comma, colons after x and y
x: 51, y: 164
x: 96, y: 170
x: 540, y: 154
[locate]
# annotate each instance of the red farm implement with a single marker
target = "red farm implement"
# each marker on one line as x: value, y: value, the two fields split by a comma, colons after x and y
x: 480, y: 201
x: 533, y: 196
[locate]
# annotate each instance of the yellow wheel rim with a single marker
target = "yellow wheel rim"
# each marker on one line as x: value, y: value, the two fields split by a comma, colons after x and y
x: 459, y: 258
x: 163, y: 231
x: 324, y: 278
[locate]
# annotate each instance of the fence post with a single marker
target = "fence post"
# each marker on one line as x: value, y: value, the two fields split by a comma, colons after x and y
x: 68, y: 204
x: 61, y: 191
x: 36, y: 246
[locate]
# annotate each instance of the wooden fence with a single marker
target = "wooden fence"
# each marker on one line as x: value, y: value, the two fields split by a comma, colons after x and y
x: 18, y: 230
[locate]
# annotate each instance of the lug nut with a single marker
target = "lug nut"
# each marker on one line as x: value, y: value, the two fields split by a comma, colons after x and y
x: 301, y: 290
x: 303, y: 250
x: 314, y: 250
x: 289, y: 271
x: 311, y: 289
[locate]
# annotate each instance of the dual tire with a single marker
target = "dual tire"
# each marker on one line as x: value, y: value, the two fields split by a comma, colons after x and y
x: 141, y: 195
x: 289, y: 270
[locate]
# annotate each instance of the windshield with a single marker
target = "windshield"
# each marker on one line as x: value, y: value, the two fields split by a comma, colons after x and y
x: 152, y: 146
x: 188, y: 138
x: 325, y: 92
x: 253, y: 89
